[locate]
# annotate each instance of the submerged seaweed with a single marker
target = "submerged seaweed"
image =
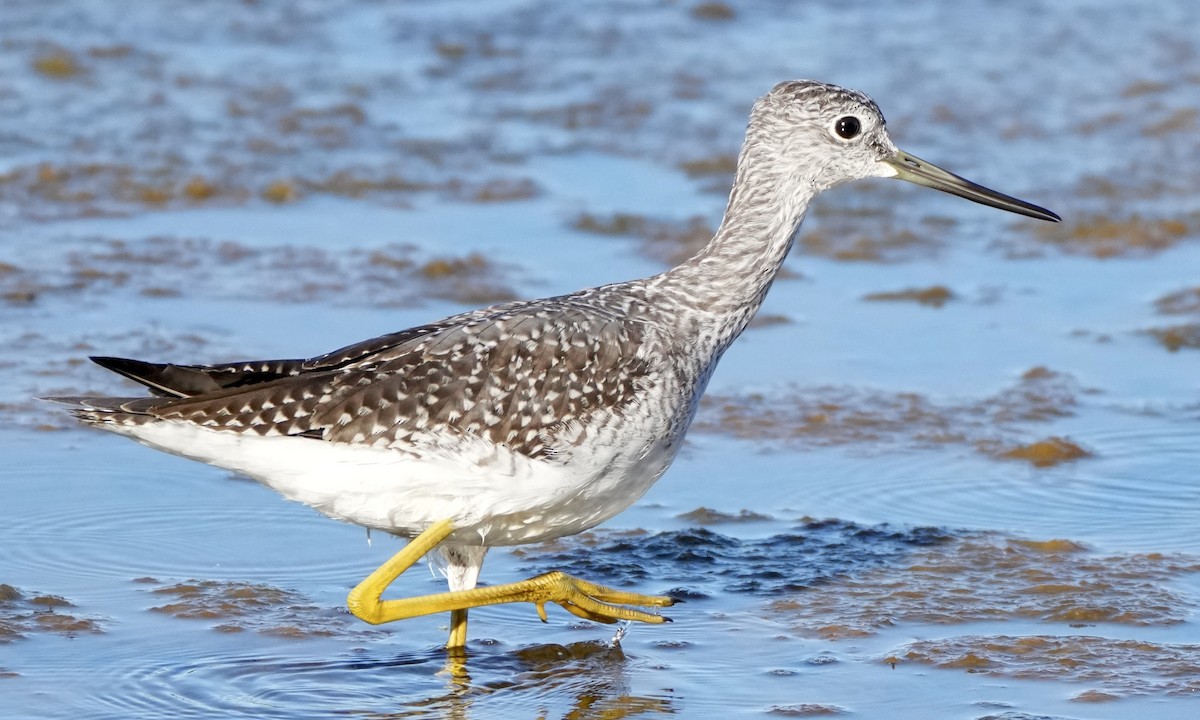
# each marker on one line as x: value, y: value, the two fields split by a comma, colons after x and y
x: 702, y: 562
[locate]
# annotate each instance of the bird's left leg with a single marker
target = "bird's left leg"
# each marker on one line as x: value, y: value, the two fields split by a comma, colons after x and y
x: 458, y: 629
x: 577, y: 596
x: 461, y: 565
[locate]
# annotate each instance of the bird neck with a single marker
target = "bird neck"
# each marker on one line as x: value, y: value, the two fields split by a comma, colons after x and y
x: 725, y: 283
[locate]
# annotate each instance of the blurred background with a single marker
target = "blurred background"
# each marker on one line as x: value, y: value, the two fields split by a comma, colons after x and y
x: 950, y: 472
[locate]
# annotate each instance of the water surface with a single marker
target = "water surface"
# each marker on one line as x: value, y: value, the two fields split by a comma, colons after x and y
x: 980, y: 507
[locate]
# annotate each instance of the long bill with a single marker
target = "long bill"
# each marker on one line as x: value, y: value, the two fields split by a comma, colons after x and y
x: 915, y: 170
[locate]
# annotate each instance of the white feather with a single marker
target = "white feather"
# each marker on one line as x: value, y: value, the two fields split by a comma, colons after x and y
x: 493, y: 495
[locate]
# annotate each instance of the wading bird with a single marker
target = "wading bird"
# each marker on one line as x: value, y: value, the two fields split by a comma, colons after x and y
x: 530, y: 420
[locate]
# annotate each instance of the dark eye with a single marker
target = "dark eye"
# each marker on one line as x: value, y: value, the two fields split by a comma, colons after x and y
x: 848, y: 127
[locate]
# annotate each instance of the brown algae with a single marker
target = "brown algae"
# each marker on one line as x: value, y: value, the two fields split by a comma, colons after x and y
x: 715, y: 171
x: 23, y: 614
x: 713, y: 11
x: 879, y: 247
x: 48, y: 191
x: 1117, y: 668
x: 669, y: 242
x: 58, y: 63
x: 856, y: 225
x: 804, y: 710
x: 723, y: 166
x: 240, y: 606
x: 827, y: 416
x: 708, y: 516
x: 1177, y: 337
x: 1180, y: 302
x: 1044, y: 453
x: 389, y: 275
x: 1107, y: 236
x: 989, y: 577
x: 932, y: 296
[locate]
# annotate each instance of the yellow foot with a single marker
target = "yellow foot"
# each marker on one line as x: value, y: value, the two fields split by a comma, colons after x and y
x: 578, y: 597
x: 589, y: 600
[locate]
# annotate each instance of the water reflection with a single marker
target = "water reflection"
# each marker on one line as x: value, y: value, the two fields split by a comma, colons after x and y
x: 585, y: 679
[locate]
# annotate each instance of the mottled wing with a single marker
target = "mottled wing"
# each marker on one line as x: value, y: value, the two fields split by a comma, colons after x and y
x: 283, y: 406
x: 512, y: 378
x: 385, y: 347
x: 173, y: 380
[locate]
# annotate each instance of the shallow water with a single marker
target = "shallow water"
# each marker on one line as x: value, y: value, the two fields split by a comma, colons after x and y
x: 851, y: 524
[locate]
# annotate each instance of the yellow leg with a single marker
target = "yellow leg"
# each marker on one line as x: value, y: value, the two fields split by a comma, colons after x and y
x: 578, y: 597
x: 458, y: 629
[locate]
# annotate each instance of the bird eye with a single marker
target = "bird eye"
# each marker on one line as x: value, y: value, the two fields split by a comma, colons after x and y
x: 848, y: 127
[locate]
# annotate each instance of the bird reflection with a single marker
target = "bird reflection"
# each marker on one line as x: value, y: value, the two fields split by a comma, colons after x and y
x: 574, y: 681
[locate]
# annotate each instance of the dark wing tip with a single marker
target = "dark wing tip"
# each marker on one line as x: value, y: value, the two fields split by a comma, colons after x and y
x: 162, y: 380
x: 62, y: 399
x: 124, y: 366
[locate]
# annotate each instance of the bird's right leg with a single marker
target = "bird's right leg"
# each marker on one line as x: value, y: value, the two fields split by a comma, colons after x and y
x: 365, y: 600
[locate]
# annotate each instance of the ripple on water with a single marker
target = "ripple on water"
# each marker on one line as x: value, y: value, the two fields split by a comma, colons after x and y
x: 581, y: 679
x: 153, y: 539
x: 118, y: 524
x: 269, y: 686
x: 1138, y: 492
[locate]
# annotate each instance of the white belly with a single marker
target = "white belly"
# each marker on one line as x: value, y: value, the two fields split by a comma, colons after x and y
x: 493, y: 496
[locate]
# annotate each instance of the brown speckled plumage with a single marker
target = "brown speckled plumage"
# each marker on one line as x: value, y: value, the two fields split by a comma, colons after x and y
x: 522, y: 375
x: 534, y: 419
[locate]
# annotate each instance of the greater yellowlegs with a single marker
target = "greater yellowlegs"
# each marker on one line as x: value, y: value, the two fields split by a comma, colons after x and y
x: 530, y: 420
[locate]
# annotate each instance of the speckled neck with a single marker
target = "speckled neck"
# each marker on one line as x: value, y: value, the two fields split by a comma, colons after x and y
x: 725, y: 283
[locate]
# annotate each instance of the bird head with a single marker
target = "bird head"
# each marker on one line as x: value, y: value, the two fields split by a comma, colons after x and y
x: 817, y: 136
